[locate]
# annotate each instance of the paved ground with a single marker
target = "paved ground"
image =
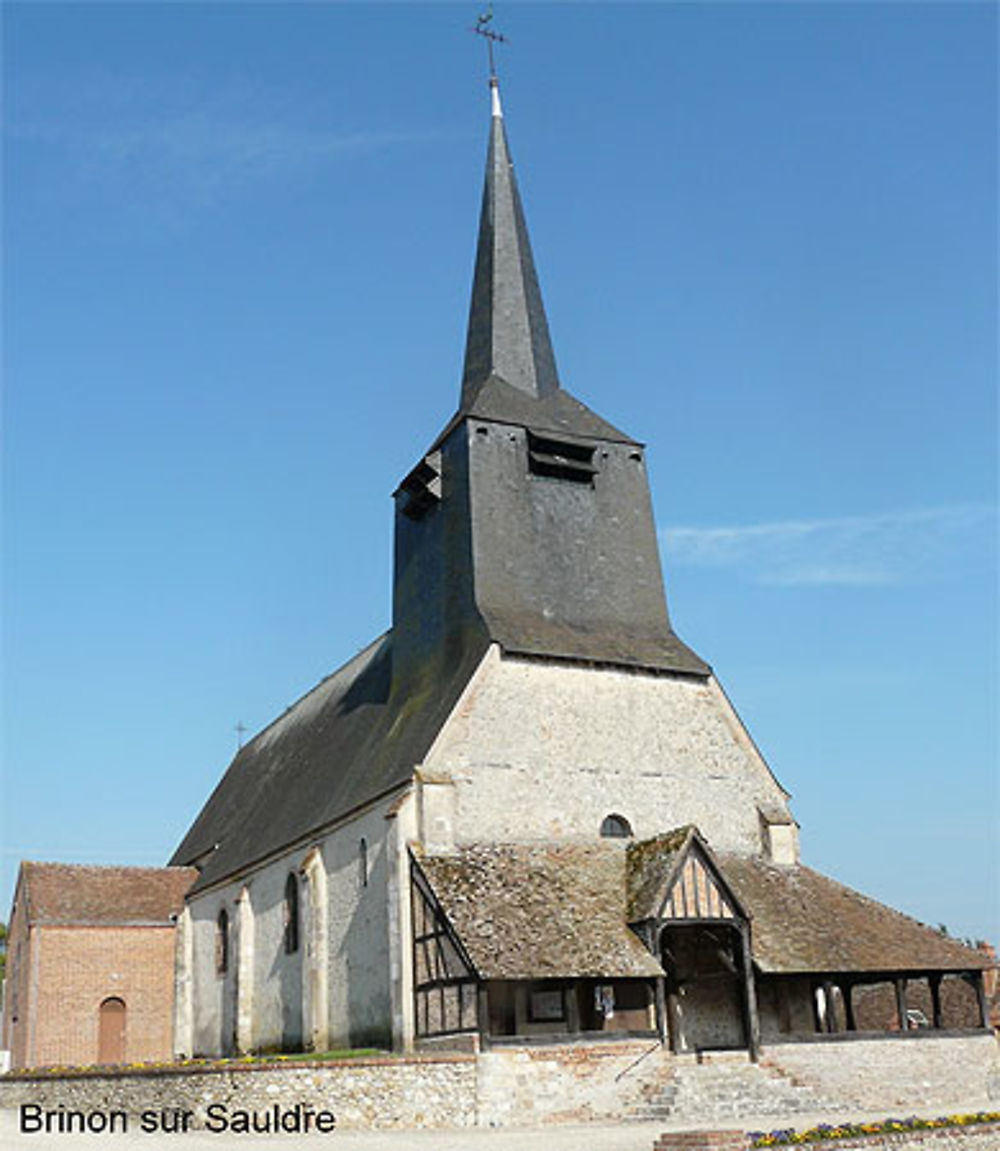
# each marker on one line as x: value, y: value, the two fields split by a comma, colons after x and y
x: 593, y: 1137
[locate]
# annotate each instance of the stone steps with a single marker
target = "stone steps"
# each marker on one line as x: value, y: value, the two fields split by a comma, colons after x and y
x: 719, y: 1087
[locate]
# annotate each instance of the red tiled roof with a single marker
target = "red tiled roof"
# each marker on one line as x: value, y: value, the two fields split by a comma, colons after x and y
x: 70, y: 893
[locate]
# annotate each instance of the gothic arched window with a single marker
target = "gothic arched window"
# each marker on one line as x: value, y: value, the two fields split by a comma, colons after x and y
x: 222, y: 942
x: 616, y: 827
x: 291, y: 914
x: 363, y: 862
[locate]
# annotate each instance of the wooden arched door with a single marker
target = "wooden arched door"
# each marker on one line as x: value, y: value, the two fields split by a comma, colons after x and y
x: 111, y: 1031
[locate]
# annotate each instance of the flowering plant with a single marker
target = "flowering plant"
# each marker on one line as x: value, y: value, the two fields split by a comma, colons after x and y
x: 786, y: 1137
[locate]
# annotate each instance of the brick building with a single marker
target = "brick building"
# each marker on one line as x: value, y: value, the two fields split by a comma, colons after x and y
x: 90, y: 964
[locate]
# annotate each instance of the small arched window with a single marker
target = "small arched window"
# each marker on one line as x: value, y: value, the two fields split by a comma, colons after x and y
x: 222, y: 942
x: 616, y: 827
x: 363, y: 863
x: 291, y: 914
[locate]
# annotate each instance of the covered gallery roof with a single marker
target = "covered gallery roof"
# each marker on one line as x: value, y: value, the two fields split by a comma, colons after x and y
x: 802, y: 921
x: 533, y: 911
x: 527, y: 911
x: 72, y: 894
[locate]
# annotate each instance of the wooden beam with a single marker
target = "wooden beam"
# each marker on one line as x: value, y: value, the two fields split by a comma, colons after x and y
x: 904, y: 1023
x: 752, y: 1019
x: 847, y: 990
x: 934, y: 982
x: 979, y: 985
x: 572, y: 1003
x: 661, y: 1009
x: 483, y: 1013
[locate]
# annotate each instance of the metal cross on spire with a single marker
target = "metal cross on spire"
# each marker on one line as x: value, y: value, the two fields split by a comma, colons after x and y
x: 491, y: 37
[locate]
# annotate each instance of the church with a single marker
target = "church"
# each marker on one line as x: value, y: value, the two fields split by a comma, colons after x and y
x: 528, y: 811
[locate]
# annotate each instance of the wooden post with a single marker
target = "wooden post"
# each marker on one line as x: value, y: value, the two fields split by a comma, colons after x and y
x: 847, y: 990
x: 980, y: 989
x: 674, y: 1021
x: 570, y: 998
x: 934, y: 982
x: 661, y: 1009
x: 904, y: 1023
x: 483, y: 1014
x: 750, y: 997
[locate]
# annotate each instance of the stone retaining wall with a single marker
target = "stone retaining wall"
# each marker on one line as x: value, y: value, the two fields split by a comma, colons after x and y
x: 908, y: 1071
x: 361, y: 1093
x: 522, y: 1086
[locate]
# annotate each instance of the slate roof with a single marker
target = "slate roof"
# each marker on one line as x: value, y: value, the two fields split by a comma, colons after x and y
x: 508, y: 332
x: 537, y: 911
x: 73, y: 894
x: 354, y: 737
x: 802, y: 921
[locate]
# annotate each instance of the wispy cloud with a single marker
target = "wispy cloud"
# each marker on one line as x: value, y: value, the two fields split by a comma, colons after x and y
x: 162, y: 137
x: 213, y: 151
x: 849, y: 551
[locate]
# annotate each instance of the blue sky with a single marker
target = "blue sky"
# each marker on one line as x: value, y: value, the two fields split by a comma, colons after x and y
x: 237, y: 251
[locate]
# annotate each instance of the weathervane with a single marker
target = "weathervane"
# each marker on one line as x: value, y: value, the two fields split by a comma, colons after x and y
x: 483, y: 29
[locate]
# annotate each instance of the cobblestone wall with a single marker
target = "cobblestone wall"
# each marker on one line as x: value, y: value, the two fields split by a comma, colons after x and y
x: 368, y: 1093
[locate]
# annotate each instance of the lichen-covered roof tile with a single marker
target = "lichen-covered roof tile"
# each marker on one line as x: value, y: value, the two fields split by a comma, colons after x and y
x: 802, y: 921
x: 534, y: 911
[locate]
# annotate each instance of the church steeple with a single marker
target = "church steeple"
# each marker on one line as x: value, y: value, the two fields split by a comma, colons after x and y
x: 528, y: 523
x: 508, y: 333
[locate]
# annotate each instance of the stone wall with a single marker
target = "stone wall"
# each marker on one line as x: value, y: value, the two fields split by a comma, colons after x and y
x: 907, y: 1070
x: 502, y: 1088
x: 336, y: 985
x: 538, y: 750
x: 362, y: 1093
x: 526, y: 1085
x: 567, y: 1084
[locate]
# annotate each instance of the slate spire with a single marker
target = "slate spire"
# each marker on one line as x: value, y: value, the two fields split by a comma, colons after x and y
x: 508, y: 333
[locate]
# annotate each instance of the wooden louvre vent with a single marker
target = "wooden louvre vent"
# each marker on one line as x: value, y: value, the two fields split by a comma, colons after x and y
x: 561, y: 460
x: 422, y: 487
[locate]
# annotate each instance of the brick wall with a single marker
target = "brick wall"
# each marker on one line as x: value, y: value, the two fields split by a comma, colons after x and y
x: 74, y: 969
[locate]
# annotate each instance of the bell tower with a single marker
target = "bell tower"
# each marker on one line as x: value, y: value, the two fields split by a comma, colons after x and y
x: 529, y: 521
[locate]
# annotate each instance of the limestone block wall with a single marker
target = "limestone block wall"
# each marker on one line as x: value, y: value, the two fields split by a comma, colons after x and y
x: 544, y: 750
x: 906, y: 1070
x: 334, y: 990
x: 526, y: 1086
